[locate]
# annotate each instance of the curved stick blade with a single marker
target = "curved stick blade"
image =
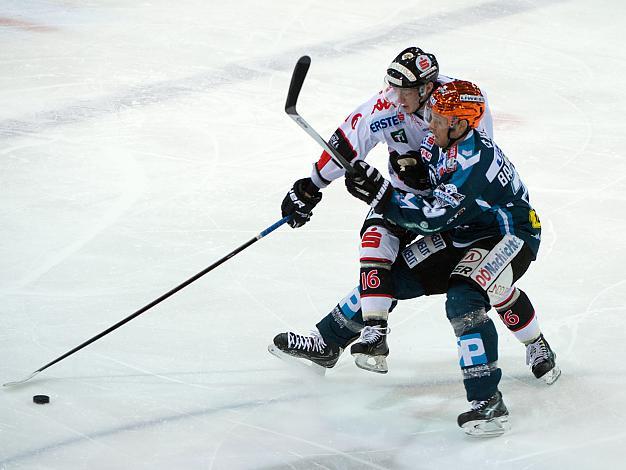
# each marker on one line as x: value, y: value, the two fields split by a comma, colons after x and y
x: 18, y: 382
x: 297, y: 80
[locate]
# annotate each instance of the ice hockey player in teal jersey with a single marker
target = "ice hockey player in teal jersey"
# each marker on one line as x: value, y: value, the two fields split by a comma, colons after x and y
x: 477, y: 191
x: 479, y: 200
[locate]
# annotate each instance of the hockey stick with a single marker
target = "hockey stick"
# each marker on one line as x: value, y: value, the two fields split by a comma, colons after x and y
x: 156, y: 301
x: 297, y: 80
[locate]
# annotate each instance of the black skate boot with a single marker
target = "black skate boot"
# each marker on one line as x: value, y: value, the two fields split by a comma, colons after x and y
x: 542, y: 360
x: 311, y: 348
x: 370, y: 351
x: 488, y: 418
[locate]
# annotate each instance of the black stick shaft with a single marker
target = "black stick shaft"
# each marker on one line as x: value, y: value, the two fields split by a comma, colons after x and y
x: 147, y: 307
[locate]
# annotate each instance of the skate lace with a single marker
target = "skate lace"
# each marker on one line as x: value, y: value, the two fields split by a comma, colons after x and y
x: 314, y: 342
x: 536, y: 352
x: 371, y: 334
x: 478, y: 404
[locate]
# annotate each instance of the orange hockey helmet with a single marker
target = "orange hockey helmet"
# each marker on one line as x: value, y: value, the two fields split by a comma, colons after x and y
x: 459, y: 99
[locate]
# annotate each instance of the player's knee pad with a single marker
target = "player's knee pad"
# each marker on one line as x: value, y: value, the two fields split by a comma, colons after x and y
x: 477, y: 342
x: 378, y: 244
x: 463, y: 298
x: 515, y: 310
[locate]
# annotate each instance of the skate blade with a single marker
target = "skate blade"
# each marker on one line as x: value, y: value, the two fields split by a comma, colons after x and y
x: 492, y: 428
x: 297, y: 362
x: 376, y: 364
x: 551, y: 376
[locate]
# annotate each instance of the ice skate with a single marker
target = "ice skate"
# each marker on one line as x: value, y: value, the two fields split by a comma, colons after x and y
x: 371, y: 351
x: 542, y: 360
x: 487, y: 418
x: 311, y: 351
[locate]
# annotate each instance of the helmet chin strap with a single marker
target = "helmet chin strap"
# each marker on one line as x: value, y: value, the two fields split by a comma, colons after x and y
x: 423, y: 99
x: 452, y: 141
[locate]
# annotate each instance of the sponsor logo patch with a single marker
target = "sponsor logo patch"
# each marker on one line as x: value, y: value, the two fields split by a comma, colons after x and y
x: 448, y: 195
x: 399, y: 136
x: 380, y: 105
x: 384, y: 123
x: 371, y: 239
x: 472, y: 98
x: 428, y: 142
x: 423, y: 62
x: 349, y: 306
x: 485, y: 270
x: 471, y: 350
x: 418, y: 251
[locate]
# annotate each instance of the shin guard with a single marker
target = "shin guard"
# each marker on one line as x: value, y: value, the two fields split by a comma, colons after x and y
x: 518, y: 314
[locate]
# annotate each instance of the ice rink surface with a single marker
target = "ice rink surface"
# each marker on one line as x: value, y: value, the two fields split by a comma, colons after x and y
x: 142, y: 141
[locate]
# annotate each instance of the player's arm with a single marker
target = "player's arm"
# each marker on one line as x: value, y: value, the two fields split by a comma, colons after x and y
x: 353, y: 140
x: 448, y: 208
x: 452, y: 203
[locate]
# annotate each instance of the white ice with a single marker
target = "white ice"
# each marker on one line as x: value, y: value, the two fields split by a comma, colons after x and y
x: 142, y: 141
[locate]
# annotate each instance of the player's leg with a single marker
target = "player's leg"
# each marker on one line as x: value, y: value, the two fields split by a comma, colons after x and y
x: 512, y: 304
x: 332, y: 334
x: 477, y: 342
x: 422, y: 269
x: 378, y: 249
x: 518, y: 314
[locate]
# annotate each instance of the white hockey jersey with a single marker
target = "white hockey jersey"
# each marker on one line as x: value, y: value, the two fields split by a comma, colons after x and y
x: 378, y: 120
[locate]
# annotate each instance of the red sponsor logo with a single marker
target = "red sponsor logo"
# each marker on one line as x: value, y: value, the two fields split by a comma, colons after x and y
x: 380, y: 105
x: 424, y: 62
x: 401, y: 116
x: 472, y: 256
x: 430, y: 141
x: 355, y: 119
x: 451, y: 160
x: 426, y: 155
x: 371, y: 239
x: 483, y: 277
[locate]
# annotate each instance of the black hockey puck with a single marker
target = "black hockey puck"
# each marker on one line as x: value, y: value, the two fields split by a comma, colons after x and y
x: 41, y: 399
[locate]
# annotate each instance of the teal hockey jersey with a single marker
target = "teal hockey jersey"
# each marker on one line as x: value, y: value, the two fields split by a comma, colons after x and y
x: 477, y: 193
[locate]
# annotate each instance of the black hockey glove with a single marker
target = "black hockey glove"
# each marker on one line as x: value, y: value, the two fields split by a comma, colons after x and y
x: 368, y: 185
x: 300, y: 201
x: 411, y: 170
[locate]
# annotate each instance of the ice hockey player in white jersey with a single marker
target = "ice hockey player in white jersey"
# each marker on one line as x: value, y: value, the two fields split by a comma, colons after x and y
x: 394, y: 116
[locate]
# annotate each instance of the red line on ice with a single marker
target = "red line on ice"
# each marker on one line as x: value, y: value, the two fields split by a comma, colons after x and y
x: 25, y: 25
